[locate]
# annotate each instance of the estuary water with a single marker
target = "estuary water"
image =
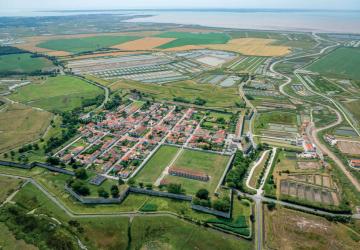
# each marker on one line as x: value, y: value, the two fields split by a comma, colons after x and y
x: 317, y: 21
x: 259, y: 19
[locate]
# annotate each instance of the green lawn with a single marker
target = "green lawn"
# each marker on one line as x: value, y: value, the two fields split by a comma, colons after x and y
x: 60, y: 93
x: 156, y: 164
x: 23, y: 63
x: 277, y: 117
x: 169, y: 233
x: 215, y: 96
x: 185, y: 38
x: 212, y: 164
x: 78, y: 45
x: 342, y: 63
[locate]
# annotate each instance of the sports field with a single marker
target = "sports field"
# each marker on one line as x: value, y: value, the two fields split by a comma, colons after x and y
x: 212, y: 164
x: 186, y: 38
x: 215, y: 96
x: 56, y: 93
x: 342, y: 63
x: 23, y: 63
x: 156, y: 164
x: 20, y: 124
x: 78, y: 45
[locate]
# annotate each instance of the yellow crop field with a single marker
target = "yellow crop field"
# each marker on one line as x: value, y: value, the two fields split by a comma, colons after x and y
x: 146, y: 43
x: 252, y: 47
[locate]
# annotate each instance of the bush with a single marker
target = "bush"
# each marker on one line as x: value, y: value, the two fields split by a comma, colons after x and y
x: 103, y: 193
x: 80, y: 188
x: 202, y: 194
x: 81, y: 174
x: 114, y: 191
x: 174, y: 188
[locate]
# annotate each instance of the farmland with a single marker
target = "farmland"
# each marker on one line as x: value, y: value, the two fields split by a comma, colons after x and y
x: 184, y: 38
x: 289, y: 229
x: 215, y: 96
x: 78, y: 45
x: 56, y: 93
x: 341, y: 63
x: 253, y: 47
x: 27, y: 124
x: 23, y: 63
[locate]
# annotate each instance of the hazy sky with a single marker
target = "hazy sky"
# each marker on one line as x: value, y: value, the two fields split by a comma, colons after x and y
x: 124, y: 4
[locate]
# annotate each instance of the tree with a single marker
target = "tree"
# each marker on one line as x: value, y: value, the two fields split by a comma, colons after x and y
x: 271, y: 206
x: 80, y: 188
x: 114, y: 191
x: 81, y: 174
x: 174, y: 188
x: 202, y: 194
x: 222, y: 204
x: 103, y: 193
x: 5, y: 155
x: 121, y: 182
x: 53, y: 160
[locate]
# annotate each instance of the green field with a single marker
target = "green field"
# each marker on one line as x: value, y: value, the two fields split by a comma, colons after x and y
x: 277, y: 117
x: 20, y: 124
x: 215, y: 96
x: 7, y: 186
x: 156, y: 164
x: 116, y: 232
x: 341, y: 63
x: 23, y: 63
x: 60, y: 93
x: 212, y: 164
x: 184, y: 38
x: 78, y: 45
x: 169, y: 233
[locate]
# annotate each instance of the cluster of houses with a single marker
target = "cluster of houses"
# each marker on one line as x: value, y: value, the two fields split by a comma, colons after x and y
x: 119, y: 142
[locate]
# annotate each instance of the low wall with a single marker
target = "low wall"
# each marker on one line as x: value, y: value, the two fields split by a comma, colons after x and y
x: 211, y: 211
x: 36, y: 164
x: 160, y: 194
x: 15, y: 164
x: 97, y: 200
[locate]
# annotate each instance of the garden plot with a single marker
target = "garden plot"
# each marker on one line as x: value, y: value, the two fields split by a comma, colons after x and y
x: 309, y: 165
x: 309, y: 192
x: 349, y: 147
x: 287, y: 132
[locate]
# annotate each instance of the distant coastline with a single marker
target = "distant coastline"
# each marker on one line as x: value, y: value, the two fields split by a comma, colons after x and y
x: 303, y: 20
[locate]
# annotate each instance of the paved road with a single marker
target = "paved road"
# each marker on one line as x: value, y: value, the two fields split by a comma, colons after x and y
x: 314, y: 134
